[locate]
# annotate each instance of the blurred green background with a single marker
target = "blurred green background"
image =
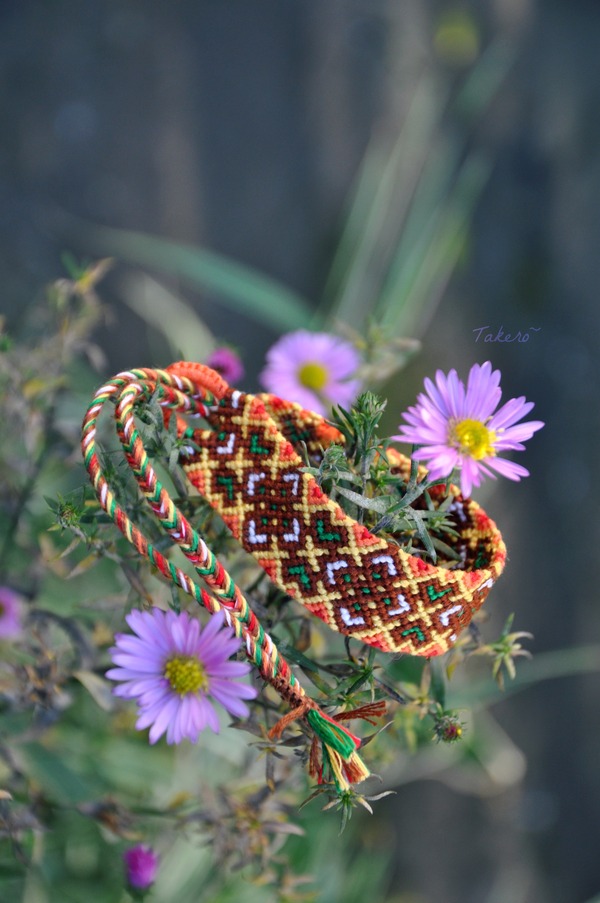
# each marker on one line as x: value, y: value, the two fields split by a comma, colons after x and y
x: 247, y: 128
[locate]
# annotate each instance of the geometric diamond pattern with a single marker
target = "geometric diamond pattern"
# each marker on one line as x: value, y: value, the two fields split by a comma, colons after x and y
x: 249, y: 470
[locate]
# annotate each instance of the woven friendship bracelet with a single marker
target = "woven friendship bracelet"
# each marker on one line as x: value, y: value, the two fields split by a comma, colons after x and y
x: 338, y: 757
x: 248, y: 468
x: 357, y: 583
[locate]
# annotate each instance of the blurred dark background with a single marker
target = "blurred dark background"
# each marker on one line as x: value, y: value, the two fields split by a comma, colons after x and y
x: 240, y: 126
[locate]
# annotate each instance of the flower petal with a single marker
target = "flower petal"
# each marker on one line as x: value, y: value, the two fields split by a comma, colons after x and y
x: 140, y: 660
x: 432, y: 423
x: 337, y: 357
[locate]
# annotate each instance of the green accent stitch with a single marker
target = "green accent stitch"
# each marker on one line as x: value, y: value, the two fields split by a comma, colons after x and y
x: 326, y: 537
x: 256, y: 448
x: 301, y: 571
x: 433, y: 595
x: 294, y: 434
x: 482, y: 557
x: 228, y: 483
x: 417, y: 630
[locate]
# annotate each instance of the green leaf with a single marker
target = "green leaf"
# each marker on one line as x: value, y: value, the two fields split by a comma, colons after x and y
x: 380, y: 200
x: 408, y: 669
x: 438, y: 683
x: 426, y: 257
x: 544, y: 666
x: 185, y: 331
x: 312, y: 669
x: 98, y: 688
x: 380, y: 505
x: 247, y: 290
x: 58, y: 781
x: 417, y: 518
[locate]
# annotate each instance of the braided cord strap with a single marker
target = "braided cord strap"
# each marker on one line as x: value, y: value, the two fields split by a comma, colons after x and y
x: 358, y: 583
x: 176, y: 391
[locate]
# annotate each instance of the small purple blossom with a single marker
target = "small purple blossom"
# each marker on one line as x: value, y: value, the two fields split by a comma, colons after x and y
x: 226, y: 362
x: 315, y: 369
x: 172, y: 666
x: 459, y: 427
x: 11, y: 613
x: 141, y: 865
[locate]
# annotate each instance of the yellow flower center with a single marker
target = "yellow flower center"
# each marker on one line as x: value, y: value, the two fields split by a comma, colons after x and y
x: 473, y: 438
x: 186, y: 674
x: 313, y: 376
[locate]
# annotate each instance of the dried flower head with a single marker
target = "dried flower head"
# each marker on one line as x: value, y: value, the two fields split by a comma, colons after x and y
x: 447, y: 727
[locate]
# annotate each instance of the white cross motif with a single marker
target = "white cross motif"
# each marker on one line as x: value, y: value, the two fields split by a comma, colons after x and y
x: 389, y: 561
x: 445, y: 615
x: 349, y: 620
x: 293, y: 478
x: 228, y: 448
x: 253, y: 536
x: 295, y: 534
x: 332, y: 567
x: 252, y: 479
x: 404, y: 606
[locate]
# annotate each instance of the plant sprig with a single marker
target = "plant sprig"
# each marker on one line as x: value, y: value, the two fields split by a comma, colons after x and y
x: 358, y: 474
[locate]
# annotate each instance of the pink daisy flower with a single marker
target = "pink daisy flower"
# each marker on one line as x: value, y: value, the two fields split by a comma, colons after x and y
x: 141, y: 866
x: 226, y: 362
x: 462, y: 427
x: 172, y: 666
x: 315, y: 369
x: 11, y: 613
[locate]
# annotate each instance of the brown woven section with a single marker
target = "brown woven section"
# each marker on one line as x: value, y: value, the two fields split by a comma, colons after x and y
x: 357, y: 583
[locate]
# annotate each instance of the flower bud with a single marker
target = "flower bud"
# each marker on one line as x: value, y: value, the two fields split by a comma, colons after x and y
x: 141, y: 865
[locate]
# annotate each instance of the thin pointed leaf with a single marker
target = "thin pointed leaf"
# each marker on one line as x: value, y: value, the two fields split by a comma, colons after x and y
x: 544, y: 666
x: 244, y: 288
x: 380, y: 505
x: 185, y: 331
x: 383, y: 194
x: 425, y: 261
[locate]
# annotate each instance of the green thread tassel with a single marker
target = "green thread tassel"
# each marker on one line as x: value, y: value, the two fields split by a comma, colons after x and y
x: 332, y: 734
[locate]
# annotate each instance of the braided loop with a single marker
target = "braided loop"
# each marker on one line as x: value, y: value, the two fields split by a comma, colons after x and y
x: 176, y: 391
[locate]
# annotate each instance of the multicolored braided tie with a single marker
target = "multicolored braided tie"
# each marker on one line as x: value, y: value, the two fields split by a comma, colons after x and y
x: 246, y: 465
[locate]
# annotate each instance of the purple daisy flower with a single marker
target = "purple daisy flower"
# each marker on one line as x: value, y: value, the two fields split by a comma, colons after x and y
x: 315, y: 369
x: 172, y: 666
x: 459, y: 427
x: 141, y: 866
x: 11, y: 613
x: 226, y: 362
